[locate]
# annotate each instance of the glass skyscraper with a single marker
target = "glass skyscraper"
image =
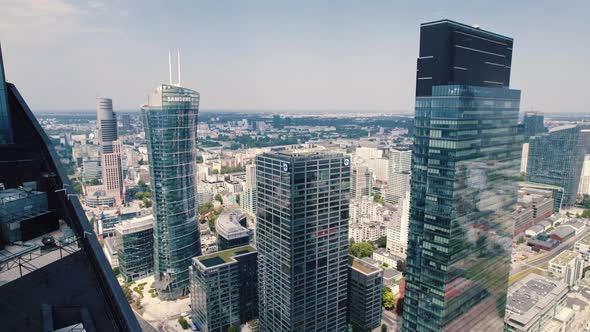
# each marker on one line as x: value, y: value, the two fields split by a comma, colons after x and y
x: 302, y: 240
x: 534, y: 124
x: 5, y: 125
x: 556, y: 158
x: 466, y: 158
x: 170, y: 121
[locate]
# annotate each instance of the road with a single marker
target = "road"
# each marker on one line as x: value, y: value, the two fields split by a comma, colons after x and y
x: 546, y: 257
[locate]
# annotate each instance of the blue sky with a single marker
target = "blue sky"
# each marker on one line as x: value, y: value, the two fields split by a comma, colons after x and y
x: 277, y: 55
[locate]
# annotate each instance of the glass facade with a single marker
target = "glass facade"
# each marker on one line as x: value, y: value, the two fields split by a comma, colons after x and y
x: 556, y: 158
x: 5, y: 125
x: 466, y: 159
x: 302, y: 240
x: 365, y: 295
x: 135, y: 248
x: 170, y: 121
x: 224, y: 289
x: 534, y: 124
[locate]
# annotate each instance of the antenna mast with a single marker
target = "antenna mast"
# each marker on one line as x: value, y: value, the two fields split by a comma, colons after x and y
x: 170, y: 67
x: 178, y: 51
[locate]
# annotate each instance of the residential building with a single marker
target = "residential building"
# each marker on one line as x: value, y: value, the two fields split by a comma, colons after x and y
x: 397, y: 232
x: 583, y: 247
x: 224, y: 289
x: 398, y: 181
x: 248, y: 199
x: 135, y: 247
x: 568, y: 266
x: 231, y: 230
x: 302, y: 240
x: 556, y: 158
x: 584, y: 187
x: 76, y: 290
x: 365, y: 295
x: 466, y: 155
x: 170, y: 121
x: 361, y: 181
x: 524, y: 159
x: 386, y: 258
x: 533, y: 302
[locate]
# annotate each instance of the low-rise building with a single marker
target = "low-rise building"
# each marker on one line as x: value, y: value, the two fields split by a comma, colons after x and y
x: 568, y: 266
x: 389, y: 259
x: 224, y: 289
x: 135, y: 247
x: 563, y: 233
x: 583, y: 247
x: 365, y: 295
x: 533, y: 302
x: 231, y: 230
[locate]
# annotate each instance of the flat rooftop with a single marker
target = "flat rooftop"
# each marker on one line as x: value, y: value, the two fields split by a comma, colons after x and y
x: 223, y: 257
x: 565, y: 257
x: 585, y: 240
x: 362, y: 266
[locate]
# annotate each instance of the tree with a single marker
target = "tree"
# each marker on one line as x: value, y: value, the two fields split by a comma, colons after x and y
x: 399, y: 306
x: 585, y: 271
x: 378, y: 198
x: 140, y: 162
x: 521, y: 240
x: 383, y: 328
x: 147, y: 202
x: 138, y: 195
x: 388, y: 298
x: 95, y: 182
x: 219, y: 198
x: 362, y: 249
x: 183, y: 323
x: 238, y: 199
x: 232, y: 329
x: 116, y: 271
x: 77, y: 187
x: 382, y: 242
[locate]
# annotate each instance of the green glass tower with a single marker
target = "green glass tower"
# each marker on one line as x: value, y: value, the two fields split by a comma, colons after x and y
x: 465, y: 163
x: 170, y: 121
x: 5, y: 125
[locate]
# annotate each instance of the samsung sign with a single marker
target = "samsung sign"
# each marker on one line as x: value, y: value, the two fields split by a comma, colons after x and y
x: 181, y: 98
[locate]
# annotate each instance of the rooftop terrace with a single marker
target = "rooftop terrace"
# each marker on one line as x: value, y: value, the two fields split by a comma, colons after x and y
x: 565, y: 257
x: 223, y: 257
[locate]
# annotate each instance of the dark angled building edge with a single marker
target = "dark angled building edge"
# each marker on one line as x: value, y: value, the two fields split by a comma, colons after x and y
x: 82, y: 282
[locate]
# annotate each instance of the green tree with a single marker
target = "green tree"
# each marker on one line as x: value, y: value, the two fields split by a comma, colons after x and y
x: 585, y: 271
x: 361, y: 249
x: 138, y: 195
x: 378, y: 198
x: 388, y: 298
x: 233, y: 329
x: 76, y: 187
x: 116, y: 271
x: 219, y: 198
x: 238, y: 199
x: 183, y: 323
x: 521, y: 240
x: 147, y: 202
x: 383, y: 328
x: 95, y: 182
x: 382, y: 242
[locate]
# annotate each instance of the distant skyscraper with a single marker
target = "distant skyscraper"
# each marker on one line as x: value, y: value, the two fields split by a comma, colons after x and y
x: 361, y: 181
x: 556, y: 158
x: 302, y: 240
x: 112, y: 174
x: 398, y: 175
x: 534, y: 124
x: 170, y: 120
x: 248, y: 199
x: 466, y: 158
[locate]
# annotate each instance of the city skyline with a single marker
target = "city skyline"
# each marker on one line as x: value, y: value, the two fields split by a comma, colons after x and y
x: 243, y: 50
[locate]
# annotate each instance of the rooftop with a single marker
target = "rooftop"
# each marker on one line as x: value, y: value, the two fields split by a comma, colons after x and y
x: 585, y: 240
x: 223, y: 257
x: 362, y: 266
x: 565, y: 257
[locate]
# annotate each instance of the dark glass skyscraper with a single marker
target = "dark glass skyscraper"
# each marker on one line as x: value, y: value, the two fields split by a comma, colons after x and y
x: 302, y: 240
x: 534, y: 124
x: 170, y: 121
x: 556, y: 158
x: 5, y: 128
x: 465, y: 160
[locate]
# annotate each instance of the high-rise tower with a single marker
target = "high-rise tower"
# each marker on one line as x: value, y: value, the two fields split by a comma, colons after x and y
x: 465, y: 163
x: 170, y: 120
x: 302, y: 240
x: 112, y: 175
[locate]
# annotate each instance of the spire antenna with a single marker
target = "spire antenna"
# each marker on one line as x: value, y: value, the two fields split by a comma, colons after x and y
x: 178, y: 52
x: 170, y: 67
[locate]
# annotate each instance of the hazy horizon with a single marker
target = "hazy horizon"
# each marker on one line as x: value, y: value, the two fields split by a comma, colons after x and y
x: 273, y: 55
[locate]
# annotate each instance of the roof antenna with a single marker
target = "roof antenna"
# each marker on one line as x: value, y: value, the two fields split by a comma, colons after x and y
x: 178, y: 51
x: 170, y: 67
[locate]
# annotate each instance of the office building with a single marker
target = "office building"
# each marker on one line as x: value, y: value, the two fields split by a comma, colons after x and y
x: 556, y: 158
x: 583, y: 247
x: 231, y: 230
x: 533, y: 302
x: 568, y: 266
x: 135, y: 247
x: 302, y: 240
x: 534, y: 124
x: 170, y: 121
x: 112, y: 173
x: 365, y: 295
x: 398, y: 176
x: 557, y: 192
x: 72, y: 286
x: 361, y: 182
x: 224, y: 289
x: 466, y: 157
